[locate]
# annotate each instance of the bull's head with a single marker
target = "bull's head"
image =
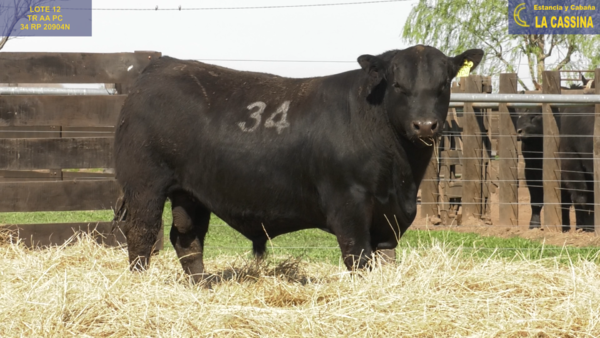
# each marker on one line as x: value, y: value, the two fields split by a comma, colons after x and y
x: 413, y: 85
x: 529, y: 123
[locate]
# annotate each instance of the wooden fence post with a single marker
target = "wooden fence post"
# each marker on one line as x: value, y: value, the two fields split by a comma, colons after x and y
x: 450, y: 159
x: 507, y: 150
x: 597, y: 158
x: 472, y: 157
x: 551, y: 171
x: 444, y: 172
x: 429, y: 189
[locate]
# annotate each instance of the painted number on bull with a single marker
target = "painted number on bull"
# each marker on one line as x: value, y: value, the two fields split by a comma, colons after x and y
x: 255, y: 115
x: 270, y: 122
x: 282, y: 123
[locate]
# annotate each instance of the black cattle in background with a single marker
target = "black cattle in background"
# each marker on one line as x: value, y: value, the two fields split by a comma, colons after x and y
x: 576, y: 148
x: 270, y: 155
x: 576, y: 151
x: 577, y: 167
x: 530, y: 131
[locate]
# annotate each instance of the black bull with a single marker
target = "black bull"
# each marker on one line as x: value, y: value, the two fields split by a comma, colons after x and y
x: 576, y: 126
x: 271, y: 155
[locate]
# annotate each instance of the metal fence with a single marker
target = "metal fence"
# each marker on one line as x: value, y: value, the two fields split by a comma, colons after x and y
x: 477, y: 172
x: 480, y: 168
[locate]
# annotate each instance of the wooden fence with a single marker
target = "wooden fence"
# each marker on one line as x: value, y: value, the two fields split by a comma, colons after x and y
x: 44, y: 137
x: 466, y: 171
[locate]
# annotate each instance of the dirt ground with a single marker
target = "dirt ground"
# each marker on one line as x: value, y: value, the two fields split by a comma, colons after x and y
x: 491, y: 227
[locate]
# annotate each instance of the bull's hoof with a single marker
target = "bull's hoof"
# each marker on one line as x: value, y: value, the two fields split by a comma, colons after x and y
x: 566, y: 229
x: 205, y: 279
x: 585, y: 229
x: 535, y: 226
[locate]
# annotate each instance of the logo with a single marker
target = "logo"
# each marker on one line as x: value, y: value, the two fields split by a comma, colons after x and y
x: 553, y: 17
x: 517, y: 17
x: 46, y: 18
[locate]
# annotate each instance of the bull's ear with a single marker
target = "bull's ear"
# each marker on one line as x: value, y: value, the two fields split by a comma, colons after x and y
x: 457, y: 62
x: 375, y: 67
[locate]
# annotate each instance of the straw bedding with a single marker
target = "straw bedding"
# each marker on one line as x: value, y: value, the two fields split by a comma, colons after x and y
x: 84, y: 289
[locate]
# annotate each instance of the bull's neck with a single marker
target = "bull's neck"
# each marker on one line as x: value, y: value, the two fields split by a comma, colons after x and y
x: 419, y: 158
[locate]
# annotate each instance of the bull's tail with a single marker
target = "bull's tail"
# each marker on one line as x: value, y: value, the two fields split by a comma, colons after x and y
x: 120, y: 212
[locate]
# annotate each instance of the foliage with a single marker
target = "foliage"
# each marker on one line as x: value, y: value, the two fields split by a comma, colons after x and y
x: 456, y: 25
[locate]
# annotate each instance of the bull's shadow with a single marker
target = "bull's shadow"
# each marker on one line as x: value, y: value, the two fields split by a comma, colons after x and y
x: 290, y: 270
x: 250, y: 270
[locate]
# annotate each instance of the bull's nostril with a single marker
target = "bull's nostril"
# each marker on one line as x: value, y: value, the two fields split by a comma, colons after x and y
x: 417, y: 125
x: 519, y: 131
x: 433, y: 126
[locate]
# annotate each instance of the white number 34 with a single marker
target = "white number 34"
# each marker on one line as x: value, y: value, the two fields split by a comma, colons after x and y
x: 270, y: 122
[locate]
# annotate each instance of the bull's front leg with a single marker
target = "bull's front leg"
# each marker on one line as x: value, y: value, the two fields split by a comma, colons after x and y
x: 350, y: 223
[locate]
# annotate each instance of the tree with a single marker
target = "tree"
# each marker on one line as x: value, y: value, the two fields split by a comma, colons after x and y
x: 11, y: 13
x: 455, y: 25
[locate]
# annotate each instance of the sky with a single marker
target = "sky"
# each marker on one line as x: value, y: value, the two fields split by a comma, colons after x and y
x: 338, y: 34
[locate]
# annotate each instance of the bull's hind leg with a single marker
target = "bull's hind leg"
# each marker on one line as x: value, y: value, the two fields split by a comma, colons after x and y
x: 565, y: 200
x: 585, y: 211
x: 190, y: 224
x: 533, y: 177
x: 575, y: 181
x: 143, y: 222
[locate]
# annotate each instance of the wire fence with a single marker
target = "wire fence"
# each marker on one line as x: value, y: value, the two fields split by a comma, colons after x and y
x: 499, y: 167
x: 506, y: 167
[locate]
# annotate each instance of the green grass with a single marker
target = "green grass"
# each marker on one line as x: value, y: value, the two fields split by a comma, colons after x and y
x: 55, y: 217
x: 317, y: 245
x: 505, y: 248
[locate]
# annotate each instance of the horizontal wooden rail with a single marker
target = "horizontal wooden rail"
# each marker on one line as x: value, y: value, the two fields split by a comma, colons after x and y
x: 51, y: 175
x: 38, y: 176
x: 88, y: 132
x: 66, y: 111
x: 51, y: 234
x: 58, y: 153
x: 73, y: 67
x: 30, y: 132
x: 35, y: 235
x: 58, y: 196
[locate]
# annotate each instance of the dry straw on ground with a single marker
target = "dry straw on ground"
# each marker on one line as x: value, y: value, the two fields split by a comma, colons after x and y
x: 87, y: 290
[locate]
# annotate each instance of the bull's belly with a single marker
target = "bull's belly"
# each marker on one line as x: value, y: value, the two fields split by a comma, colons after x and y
x: 257, y: 207
x: 268, y: 227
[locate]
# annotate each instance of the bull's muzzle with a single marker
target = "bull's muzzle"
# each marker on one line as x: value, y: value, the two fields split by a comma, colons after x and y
x: 426, y: 130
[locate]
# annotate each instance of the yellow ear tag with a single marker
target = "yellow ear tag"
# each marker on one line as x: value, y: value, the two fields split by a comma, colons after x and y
x: 465, y: 69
